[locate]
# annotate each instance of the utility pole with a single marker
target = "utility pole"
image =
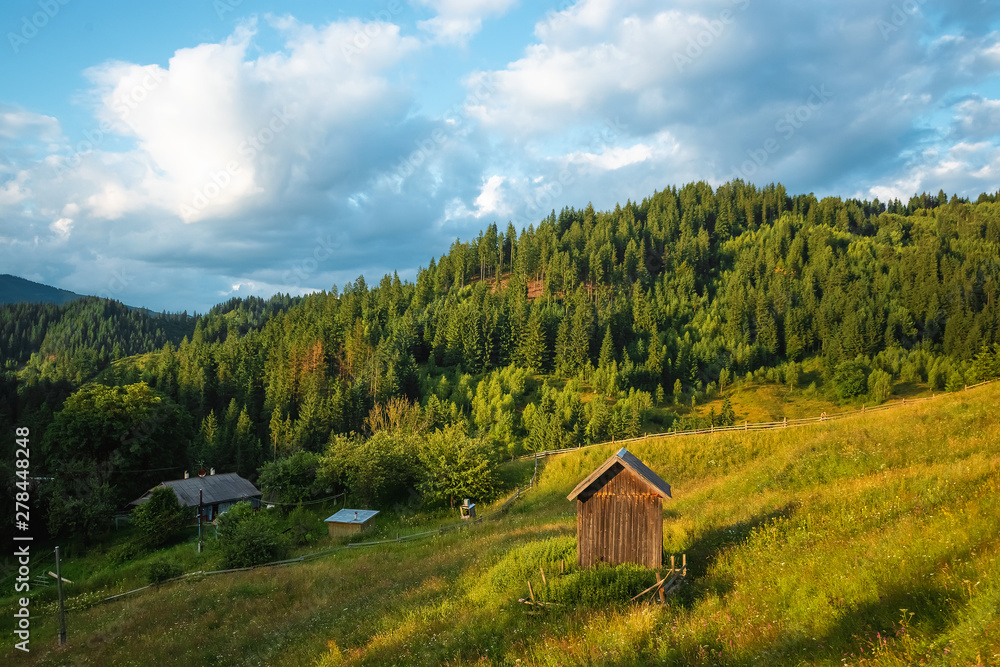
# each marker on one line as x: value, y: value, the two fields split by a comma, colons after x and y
x: 62, y: 607
x: 200, y: 498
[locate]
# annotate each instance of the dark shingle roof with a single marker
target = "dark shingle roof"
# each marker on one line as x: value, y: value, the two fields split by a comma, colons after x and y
x: 616, y: 463
x: 216, y: 489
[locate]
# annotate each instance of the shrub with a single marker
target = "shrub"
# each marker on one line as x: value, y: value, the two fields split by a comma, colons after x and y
x: 522, y: 563
x: 850, y: 379
x: 879, y: 385
x: 293, y: 479
x: 249, y: 538
x: 161, y: 570
x: 301, y: 524
x: 598, y: 586
x: 160, y: 518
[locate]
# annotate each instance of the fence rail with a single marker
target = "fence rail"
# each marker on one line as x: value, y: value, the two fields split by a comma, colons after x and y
x: 755, y: 426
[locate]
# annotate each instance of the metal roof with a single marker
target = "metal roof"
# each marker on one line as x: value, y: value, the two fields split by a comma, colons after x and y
x: 228, y: 487
x: 352, y: 516
x: 615, y: 464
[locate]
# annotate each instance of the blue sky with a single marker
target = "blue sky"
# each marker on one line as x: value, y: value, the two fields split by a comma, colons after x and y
x: 173, y: 155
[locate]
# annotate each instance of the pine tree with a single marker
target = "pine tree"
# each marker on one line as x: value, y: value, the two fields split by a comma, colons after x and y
x: 531, y: 350
x: 607, y: 350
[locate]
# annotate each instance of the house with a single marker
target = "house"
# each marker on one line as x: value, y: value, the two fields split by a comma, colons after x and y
x: 619, y: 513
x: 350, y: 522
x: 215, y: 493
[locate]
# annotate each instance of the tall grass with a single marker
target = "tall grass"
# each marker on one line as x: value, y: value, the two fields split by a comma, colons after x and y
x: 867, y: 541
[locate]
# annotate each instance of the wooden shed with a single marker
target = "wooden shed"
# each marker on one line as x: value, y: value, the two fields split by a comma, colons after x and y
x: 348, y: 522
x: 619, y: 513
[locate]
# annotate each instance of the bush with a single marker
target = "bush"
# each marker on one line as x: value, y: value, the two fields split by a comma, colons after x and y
x: 879, y: 385
x: 160, y: 518
x: 522, y: 563
x: 598, y: 586
x: 293, y: 479
x: 248, y: 538
x: 161, y: 570
x: 302, y: 524
x: 850, y: 379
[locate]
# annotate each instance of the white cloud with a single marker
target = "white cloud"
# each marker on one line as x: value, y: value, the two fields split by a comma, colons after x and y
x: 62, y: 227
x: 964, y: 168
x: 489, y: 202
x: 617, y: 157
x: 238, y: 167
x: 706, y: 75
x: 16, y: 123
x: 978, y: 118
x: 218, y: 133
x: 457, y: 21
x: 260, y: 148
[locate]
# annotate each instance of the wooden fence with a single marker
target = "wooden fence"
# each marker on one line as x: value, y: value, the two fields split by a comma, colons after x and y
x: 754, y: 426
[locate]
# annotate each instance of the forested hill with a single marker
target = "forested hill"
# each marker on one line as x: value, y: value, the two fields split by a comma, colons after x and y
x: 18, y: 290
x: 588, y: 326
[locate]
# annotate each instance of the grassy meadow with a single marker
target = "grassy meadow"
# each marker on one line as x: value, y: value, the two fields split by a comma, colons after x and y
x: 873, y: 540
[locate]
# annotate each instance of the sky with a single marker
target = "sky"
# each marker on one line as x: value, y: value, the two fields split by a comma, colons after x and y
x: 176, y: 155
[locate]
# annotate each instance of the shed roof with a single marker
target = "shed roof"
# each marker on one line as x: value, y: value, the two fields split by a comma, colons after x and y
x: 617, y: 462
x: 215, y: 489
x: 352, y: 516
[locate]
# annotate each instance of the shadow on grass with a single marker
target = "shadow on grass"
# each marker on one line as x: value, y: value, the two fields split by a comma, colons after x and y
x: 704, y: 550
x: 883, y: 624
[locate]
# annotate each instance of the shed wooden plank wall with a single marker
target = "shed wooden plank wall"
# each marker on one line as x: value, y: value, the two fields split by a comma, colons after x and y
x: 341, y: 529
x: 622, y: 523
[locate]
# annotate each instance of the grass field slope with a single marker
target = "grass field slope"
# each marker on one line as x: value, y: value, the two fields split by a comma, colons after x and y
x: 868, y: 541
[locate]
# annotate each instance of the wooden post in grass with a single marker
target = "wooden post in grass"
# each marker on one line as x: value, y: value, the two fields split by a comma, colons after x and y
x: 531, y: 593
x: 62, y: 607
x: 542, y: 570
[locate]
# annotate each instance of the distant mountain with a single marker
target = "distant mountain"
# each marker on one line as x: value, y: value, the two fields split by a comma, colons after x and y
x: 19, y: 290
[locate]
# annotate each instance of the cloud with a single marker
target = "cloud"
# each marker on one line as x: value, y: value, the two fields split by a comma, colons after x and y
x: 289, y: 156
x: 707, y: 84
x: 240, y: 160
x: 16, y: 123
x: 977, y: 118
x: 457, y: 21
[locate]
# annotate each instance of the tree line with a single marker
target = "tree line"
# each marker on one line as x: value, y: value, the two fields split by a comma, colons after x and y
x: 587, y: 326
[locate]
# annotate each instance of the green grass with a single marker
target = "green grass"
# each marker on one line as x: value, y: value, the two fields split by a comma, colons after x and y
x: 872, y: 540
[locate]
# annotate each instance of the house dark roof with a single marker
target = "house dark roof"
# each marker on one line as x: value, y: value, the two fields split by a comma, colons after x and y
x: 216, y: 489
x: 352, y: 516
x: 619, y: 461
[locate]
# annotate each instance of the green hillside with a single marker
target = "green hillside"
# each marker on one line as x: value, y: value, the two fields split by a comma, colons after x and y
x: 658, y: 315
x: 871, y: 540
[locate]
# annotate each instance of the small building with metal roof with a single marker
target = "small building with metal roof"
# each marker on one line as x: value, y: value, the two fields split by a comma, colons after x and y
x: 214, y: 493
x: 619, y: 513
x: 349, y: 522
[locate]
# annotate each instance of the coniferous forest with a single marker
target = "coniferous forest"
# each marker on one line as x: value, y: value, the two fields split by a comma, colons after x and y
x: 588, y: 326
